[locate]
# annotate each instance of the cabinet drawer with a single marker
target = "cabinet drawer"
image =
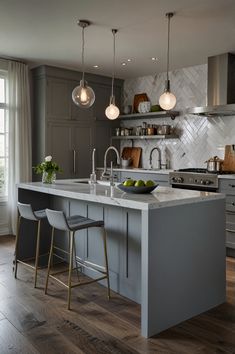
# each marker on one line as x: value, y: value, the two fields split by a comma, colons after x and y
x: 230, y: 217
x: 230, y: 235
x: 230, y: 203
x: 227, y: 186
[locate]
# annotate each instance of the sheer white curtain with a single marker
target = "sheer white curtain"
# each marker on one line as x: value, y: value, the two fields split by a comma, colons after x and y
x: 20, y: 165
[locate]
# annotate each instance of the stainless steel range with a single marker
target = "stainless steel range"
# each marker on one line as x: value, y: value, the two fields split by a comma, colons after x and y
x: 195, y: 179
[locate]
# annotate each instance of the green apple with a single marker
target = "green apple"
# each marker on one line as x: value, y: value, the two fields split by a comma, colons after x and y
x: 149, y: 183
x: 139, y: 183
x: 129, y: 183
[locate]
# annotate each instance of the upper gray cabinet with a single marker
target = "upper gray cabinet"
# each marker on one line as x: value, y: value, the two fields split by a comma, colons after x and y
x: 62, y: 129
x: 58, y: 102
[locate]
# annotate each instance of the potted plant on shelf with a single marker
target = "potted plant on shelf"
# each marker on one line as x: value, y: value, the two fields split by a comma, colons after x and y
x: 48, y: 169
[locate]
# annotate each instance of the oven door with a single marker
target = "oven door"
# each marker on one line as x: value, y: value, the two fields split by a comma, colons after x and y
x: 194, y: 188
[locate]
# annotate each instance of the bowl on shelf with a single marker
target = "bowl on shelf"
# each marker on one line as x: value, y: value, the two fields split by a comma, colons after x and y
x: 137, y: 190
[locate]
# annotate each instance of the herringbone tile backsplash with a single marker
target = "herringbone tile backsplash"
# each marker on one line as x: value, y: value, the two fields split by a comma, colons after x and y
x: 199, y: 137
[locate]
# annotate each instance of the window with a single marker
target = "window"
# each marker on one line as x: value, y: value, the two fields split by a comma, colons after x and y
x: 3, y: 135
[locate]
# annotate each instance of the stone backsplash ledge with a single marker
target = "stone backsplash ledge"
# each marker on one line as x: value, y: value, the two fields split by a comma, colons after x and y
x: 199, y: 137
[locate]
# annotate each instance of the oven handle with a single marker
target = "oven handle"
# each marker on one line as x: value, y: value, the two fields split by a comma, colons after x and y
x: 195, y: 188
x: 229, y: 230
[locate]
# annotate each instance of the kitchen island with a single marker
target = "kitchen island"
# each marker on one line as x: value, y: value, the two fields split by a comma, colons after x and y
x: 166, y: 249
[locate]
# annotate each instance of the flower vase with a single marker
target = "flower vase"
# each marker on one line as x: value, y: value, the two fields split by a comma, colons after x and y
x: 48, y: 177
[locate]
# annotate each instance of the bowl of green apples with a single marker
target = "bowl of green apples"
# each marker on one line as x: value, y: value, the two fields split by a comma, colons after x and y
x: 137, y: 187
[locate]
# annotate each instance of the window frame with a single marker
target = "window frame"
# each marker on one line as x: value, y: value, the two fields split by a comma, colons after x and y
x: 4, y: 106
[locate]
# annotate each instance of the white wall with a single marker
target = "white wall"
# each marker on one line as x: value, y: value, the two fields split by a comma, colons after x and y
x: 200, y: 137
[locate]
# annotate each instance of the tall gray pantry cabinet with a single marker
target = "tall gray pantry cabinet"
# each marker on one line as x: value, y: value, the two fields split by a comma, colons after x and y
x: 62, y: 129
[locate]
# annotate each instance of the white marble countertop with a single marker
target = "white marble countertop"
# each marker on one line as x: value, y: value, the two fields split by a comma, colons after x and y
x: 157, y: 171
x: 160, y: 197
x: 229, y: 176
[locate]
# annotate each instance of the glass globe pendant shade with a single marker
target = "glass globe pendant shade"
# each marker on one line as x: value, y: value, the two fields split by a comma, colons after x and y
x: 112, y: 112
x: 83, y: 96
x: 167, y: 101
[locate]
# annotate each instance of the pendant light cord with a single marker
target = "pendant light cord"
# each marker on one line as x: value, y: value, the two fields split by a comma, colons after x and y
x: 83, y: 48
x: 168, y: 46
x: 114, y: 60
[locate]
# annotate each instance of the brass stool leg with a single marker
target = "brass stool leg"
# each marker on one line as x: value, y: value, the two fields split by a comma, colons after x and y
x: 75, y: 257
x: 70, y: 266
x: 50, y: 258
x: 37, y: 252
x: 16, y: 243
x: 106, y: 260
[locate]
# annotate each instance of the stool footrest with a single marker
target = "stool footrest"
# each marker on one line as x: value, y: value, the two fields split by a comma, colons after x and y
x: 77, y: 284
x: 88, y: 282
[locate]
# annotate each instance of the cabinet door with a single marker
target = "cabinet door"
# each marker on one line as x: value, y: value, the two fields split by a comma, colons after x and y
x: 130, y: 256
x: 102, y: 142
x: 77, y: 113
x: 82, y: 148
x: 58, y: 99
x: 102, y: 98
x: 59, y: 140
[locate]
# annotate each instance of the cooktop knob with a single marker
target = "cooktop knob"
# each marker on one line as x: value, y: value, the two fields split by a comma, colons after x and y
x: 180, y: 180
x: 208, y: 182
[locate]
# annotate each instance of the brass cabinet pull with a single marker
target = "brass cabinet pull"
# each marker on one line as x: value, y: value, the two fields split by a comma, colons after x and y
x: 233, y: 231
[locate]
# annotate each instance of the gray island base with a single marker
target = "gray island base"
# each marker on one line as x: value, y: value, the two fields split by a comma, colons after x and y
x: 166, y: 249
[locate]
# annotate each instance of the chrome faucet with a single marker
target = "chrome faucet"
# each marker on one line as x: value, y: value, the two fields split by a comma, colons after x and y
x: 159, y: 157
x: 93, y: 174
x: 105, y: 174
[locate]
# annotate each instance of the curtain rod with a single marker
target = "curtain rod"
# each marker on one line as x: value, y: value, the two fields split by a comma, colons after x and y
x: 12, y: 59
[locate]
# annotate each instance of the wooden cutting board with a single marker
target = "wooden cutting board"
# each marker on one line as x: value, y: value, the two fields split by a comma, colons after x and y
x: 134, y: 153
x: 229, y: 158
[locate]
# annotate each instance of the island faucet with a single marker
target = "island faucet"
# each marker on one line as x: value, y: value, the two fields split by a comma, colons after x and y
x: 93, y: 174
x: 159, y: 157
x: 105, y: 174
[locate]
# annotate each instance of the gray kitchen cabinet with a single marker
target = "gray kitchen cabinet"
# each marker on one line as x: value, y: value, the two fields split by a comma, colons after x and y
x: 82, y: 140
x: 60, y: 147
x: 62, y: 129
x: 130, y: 262
x: 58, y: 105
x: 161, y: 179
x: 71, y: 148
x: 227, y: 186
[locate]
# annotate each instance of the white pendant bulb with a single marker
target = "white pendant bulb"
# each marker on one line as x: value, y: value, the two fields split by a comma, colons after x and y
x: 83, y: 95
x: 167, y: 100
x: 112, y: 111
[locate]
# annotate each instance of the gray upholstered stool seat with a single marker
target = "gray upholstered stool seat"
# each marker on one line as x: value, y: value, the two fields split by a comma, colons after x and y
x: 25, y: 211
x: 58, y: 220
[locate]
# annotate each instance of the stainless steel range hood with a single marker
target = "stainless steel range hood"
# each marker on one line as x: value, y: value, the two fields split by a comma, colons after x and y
x: 220, y: 87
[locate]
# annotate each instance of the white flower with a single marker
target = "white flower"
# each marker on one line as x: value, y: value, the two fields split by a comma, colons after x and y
x: 48, y: 158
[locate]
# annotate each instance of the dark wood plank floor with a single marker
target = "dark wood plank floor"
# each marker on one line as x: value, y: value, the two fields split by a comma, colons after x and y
x: 31, y: 322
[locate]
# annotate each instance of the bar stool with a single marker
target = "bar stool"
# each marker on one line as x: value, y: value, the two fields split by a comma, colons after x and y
x: 58, y: 220
x: 25, y: 211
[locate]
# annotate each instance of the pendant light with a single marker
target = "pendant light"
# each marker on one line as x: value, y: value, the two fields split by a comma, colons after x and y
x: 112, y: 111
x: 167, y: 100
x: 83, y: 95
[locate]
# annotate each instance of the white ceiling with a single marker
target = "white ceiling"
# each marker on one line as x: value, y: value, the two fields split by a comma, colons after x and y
x: 46, y: 32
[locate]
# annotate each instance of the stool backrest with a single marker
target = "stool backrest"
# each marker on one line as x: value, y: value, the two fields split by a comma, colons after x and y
x: 26, y: 211
x: 57, y: 219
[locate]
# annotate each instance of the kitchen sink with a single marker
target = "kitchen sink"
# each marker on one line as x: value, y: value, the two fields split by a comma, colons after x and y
x: 104, y: 183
